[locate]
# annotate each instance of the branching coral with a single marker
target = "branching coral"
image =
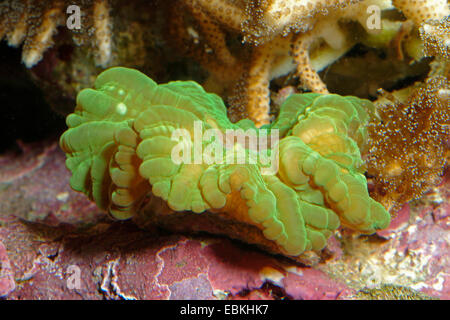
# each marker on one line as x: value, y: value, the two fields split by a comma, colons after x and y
x: 195, y: 33
x: 227, y: 13
x: 120, y: 149
x: 266, y: 19
x: 281, y: 37
x: 34, y: 23
x: 19, y: 25
x: 420, y: 11
x: 407, y: 153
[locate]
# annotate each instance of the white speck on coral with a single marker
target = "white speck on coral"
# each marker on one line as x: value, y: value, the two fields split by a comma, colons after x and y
x: 121, y: 108
x: 427, y: 28
x: 193, y: 33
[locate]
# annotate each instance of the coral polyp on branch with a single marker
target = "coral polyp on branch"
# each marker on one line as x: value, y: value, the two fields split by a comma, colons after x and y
x: 436, y: 37
x: 120, y: 148
x: 266, y: 19
x: 420, y: 11
x: 407, y: 148
x: 34, y: 23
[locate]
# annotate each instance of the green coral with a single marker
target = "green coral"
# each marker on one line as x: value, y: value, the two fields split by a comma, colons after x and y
x: 120, y: 145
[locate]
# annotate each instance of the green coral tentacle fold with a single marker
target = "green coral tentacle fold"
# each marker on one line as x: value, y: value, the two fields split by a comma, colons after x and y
x: 129, y: 138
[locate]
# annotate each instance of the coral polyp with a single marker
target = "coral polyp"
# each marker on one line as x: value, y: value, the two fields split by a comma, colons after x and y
x: 436, y: 36
x: 120, y: 148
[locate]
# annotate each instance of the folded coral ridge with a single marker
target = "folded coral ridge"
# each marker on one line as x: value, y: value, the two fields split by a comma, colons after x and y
x: 120, y: 144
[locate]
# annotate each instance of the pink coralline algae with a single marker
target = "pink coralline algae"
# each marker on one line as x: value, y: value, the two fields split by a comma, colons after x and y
x: 7, y: 283
x: 32, y: 186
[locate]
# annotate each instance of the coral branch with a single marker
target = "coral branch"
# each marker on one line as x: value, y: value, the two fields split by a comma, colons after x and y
x: 34, y: 23
x: 308, y: 77
x: 420, y: 11
x: 103, y: 36
x: 270, y: 18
